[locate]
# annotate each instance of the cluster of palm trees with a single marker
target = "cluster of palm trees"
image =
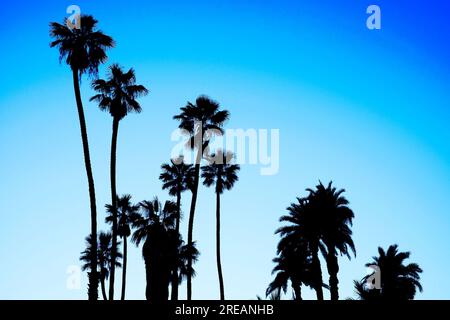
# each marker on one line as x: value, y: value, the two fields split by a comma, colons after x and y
x: 321, y: 222
x: 167, y: 258
x: 318, y: 224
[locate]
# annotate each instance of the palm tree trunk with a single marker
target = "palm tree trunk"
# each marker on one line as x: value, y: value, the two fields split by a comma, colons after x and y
x: 219, y: 264
x: 102, y: 282
x: 149, y: 281
x: 317, y: 273
x: 333, y: 269
x: 297, y: 291
x: 191, y: 218
x: 174, y: 292
x: 124, y: 267
x: 115, y: 131
x: 93, y: 278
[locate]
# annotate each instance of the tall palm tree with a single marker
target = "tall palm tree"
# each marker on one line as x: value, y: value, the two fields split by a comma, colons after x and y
x: 126, y: 214
x: 292, y: 264
x: 177, y: 177
x: 201, y: 120
x: 103, y: 255
x: 336, y: 219
x: 83, y: 49
x: 118, y: 96
x: 304, y: 228
x: 221, y: 173
x: 398, y: 281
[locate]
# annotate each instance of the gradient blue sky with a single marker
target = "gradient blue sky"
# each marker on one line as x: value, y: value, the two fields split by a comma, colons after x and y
x: 367, y: 109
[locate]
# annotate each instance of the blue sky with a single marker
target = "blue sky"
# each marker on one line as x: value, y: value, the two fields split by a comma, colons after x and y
x: 366, y: 109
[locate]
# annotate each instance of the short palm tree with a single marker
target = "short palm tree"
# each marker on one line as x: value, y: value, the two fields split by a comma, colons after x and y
x: 153, y: 228
x: 221, y: 173
x: 201, y: 121
x: 304, y: 228
x: 118, y: 96
x: 336, y: 219
x: 182, y: 266
x: 126, y: 214
x: 293, y: 264
x: 104, y: 257
x: 177, y: 177
x: 83, y: 49
x: 398, y: 281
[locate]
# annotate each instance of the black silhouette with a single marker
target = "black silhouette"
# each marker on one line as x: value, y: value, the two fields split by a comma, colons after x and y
x: 321, y: 221
x: 304, y: 229
x: 336, y: 218
x: 84, y: 50
x: 163, y: 247
x: 117, y: 95
x: 221, y: 173
x: 177, y: 177
x: 126, y: 214
x: 201, y: 120
x: 292, y: 264
x: 397, y: 281
x: 103, y: 254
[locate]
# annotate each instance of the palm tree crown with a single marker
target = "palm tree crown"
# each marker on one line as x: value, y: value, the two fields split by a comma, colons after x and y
x: 220, y: 172
x: 331, y: 207
x: 126, y: 214
x: 83, y: 49
x: 153, y: 214
x: 177, y: 176
x: 398, y: 281
x: 119, y: 92
x: 201, y: 120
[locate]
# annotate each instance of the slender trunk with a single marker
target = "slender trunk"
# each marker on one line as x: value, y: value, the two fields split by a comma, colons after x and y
x: 333, y: 269
x: 219, y: 264
x: 149, y: 282
x: 115, y: 130
x: 93, y: 278
x: 174, y: 292
x: 297, y: 291
x: 318, y: 274
x: 102, y: 283
x: 124, y: 267
x: 191, y: 219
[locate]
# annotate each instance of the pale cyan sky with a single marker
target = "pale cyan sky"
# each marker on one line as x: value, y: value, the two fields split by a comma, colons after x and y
x: 366, y: 109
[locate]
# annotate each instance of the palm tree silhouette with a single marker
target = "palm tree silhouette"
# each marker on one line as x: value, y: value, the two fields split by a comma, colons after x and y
x: 336, y: 219
x: 159, y: 245
x: 293, y: 264
x: 83, y: 49
x: 126, y: 214
x: 304, y: 228
x: 177, y: 177
x: 397, y: 280
x: 103, y: 255
x: 223, y: 175
x: 201, y: 121
x: 117, y: 95
x: 183, y: 270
